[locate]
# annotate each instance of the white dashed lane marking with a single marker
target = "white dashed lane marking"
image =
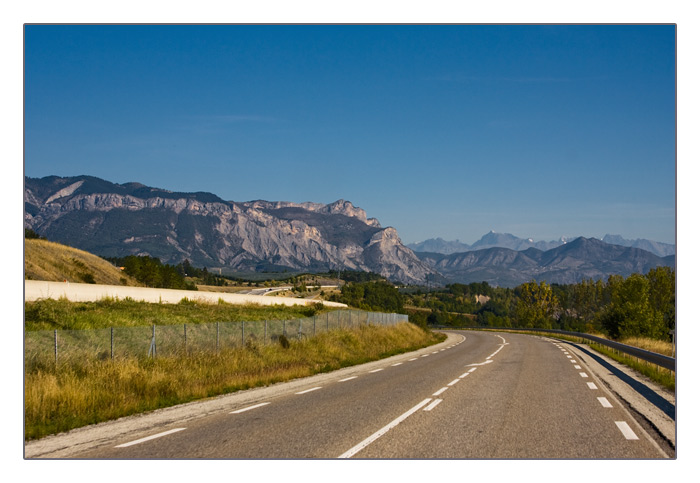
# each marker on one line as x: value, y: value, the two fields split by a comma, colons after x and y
x: 626, y: 430
x: 309, y: 390
x: 249, y: 408
x: 148, y: 438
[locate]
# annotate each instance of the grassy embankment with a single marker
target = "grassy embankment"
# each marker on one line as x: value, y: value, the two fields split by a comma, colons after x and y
x: 84, y: 392
x: 53, y: 262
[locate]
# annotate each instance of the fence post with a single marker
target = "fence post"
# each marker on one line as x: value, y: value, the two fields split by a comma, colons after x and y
x: 152, y: 350
x: 55, y: 347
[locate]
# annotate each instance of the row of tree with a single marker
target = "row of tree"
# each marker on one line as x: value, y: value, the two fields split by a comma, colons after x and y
x: 619, y: 307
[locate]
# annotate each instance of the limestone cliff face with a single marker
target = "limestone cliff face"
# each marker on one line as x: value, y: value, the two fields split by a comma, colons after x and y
x: 117, y: 220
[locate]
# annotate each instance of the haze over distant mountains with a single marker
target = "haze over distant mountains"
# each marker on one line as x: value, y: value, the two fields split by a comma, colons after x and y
x: 506, y: 240
x: 115, y: 220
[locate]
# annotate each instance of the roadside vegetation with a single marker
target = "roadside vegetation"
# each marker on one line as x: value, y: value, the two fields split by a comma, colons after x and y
x: 61, y: 314
x: 61, y: 398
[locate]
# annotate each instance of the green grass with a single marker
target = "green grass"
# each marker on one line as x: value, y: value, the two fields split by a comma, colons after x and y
x: 62, y: 314
x: 72, y: 395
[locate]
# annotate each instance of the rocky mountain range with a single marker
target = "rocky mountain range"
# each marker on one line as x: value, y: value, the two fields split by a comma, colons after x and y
x: 115, y: 220
x: 582, y: 258
x: 506, y: 240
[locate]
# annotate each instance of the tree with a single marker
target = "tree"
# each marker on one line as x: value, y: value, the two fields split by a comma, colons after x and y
x: 630, y: 312
x: 536, y: 305
x: 662, y: 294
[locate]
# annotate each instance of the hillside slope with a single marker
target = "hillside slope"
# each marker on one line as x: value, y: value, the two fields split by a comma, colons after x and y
x: 53, y: 262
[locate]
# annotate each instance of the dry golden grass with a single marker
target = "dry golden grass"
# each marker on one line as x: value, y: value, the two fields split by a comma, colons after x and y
x: 61, y: 398
x: 658, y: 346
x: 53, y: 262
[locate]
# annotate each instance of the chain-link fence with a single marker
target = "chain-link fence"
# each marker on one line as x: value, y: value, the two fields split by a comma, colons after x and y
x: 46, y: 347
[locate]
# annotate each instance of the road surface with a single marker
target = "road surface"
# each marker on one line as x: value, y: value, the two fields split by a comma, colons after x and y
x: 478, y: 395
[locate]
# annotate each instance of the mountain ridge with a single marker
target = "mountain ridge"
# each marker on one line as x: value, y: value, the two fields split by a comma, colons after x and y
x: 582, y: 258
x: 507, y: 240
x: 133, y: 219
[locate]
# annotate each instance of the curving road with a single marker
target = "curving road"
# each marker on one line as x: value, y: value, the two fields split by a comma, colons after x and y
x: 477, y: 395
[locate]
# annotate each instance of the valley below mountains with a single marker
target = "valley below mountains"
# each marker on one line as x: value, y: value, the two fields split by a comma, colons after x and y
x: 117, y: 220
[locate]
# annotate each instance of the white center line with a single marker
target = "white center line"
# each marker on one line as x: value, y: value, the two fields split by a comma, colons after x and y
x: 453, y: 382
x: 249, y: 408
x: 412, y: 359
x: 604, y: 402
x: 472, y: 369
x: 432, y: 405
x: 148, y: 438
x: 425, y: 355
x: 377, y: 370
x: 626, y: 430
x: 440, y: 391
x: 359, y: 447
x: 309, y: 390
x: 348, y: 378
x: 464, y: 375
x: 397, y: 364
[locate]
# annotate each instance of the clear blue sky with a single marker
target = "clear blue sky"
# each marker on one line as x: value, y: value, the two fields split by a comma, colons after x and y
x: 439, y: 131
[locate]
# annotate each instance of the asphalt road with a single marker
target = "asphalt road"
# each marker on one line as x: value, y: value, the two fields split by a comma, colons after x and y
x: 480, y: 395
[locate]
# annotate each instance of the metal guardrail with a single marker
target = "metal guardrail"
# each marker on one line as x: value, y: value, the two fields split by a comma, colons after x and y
x: 659, y: 359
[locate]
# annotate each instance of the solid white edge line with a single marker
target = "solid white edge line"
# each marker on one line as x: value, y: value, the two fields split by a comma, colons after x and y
x: 148, y: 438
x: 626, y: 430
x: 432, y: 405
x: 360, y: 446
x: 308, y: 390
x: 249, y: 408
